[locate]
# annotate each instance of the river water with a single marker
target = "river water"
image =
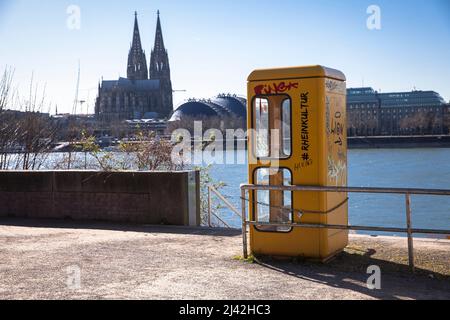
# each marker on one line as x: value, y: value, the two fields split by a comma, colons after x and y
x: 402, y: 168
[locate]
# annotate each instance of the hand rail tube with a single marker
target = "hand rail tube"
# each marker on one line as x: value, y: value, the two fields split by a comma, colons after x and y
x: 409, y: 230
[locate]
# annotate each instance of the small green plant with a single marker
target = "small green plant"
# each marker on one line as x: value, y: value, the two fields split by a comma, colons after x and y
x: 145, y: 153
x: 150, y: 153
x: 250, y: 259
x: 88, y: 145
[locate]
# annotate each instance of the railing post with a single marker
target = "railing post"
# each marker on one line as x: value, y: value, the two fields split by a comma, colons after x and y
x: 244, y: 224
x: 209, y: 206
x: 409, y: 231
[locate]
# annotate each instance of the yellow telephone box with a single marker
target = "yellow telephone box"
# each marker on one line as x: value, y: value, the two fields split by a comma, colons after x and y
x: 297, y: 136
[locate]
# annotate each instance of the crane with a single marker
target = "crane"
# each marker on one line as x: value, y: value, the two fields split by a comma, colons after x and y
x: 75, y: 102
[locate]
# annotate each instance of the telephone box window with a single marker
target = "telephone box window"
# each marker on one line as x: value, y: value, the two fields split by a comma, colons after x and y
x: 273, y: 206
x: 286, y: 127
x: 261, y: 109
x: 272, y: 118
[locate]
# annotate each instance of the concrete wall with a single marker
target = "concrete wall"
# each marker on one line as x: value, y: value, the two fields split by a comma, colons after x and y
x: 138, y: 197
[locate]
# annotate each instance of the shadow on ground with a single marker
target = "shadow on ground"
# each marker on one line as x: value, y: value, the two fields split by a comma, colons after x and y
x: 99, y: 225
x: 349, y: 271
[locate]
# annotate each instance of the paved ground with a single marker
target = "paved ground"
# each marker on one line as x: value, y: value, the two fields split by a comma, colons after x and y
x: 126, y: 262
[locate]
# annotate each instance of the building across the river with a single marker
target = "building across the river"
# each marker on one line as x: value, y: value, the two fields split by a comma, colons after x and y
x: 371, y: 113
x: 225, y: 111
x: 224, y: 105
x: 144, y: 93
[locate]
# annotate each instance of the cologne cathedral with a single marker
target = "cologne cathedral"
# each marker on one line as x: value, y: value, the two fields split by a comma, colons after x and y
x: 144, y: 93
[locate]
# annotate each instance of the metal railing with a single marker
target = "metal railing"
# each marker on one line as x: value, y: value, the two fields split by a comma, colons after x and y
x: 409, y: 230
x: 211, y: 191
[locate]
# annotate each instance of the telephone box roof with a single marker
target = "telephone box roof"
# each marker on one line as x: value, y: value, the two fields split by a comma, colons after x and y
x: 296, y: 73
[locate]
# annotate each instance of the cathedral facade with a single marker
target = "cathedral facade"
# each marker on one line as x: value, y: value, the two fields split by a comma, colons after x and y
x: 145, y: 93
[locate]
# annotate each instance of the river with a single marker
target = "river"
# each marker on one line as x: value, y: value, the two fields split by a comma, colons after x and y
x: 402, y: 168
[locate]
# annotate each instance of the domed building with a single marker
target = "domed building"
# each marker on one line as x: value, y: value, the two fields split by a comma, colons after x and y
x: 223, y: 106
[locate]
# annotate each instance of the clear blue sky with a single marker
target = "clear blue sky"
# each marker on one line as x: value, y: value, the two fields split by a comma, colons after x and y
x: 214, y: 45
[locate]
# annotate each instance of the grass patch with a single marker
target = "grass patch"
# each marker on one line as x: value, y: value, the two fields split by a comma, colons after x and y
x: 250, y: 259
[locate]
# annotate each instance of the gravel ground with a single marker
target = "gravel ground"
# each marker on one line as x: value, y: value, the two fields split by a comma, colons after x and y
x: 132, y: 262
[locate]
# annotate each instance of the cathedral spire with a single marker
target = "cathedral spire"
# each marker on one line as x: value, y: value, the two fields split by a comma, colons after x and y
x: 159, y: 41
x: 137, y: 64
x: 159, y: 60
x: 160, y: 68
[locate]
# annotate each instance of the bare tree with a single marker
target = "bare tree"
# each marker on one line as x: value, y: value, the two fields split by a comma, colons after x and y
x: 151, y: 153
x: 446, y: 121
x: 354, y: 123
x: 26, y: 134
x: 8, y: 129
x: 6, y: 87
x: 421, y: 122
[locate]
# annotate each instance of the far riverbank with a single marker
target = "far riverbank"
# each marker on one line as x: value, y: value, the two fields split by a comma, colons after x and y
x: 399, y: 142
